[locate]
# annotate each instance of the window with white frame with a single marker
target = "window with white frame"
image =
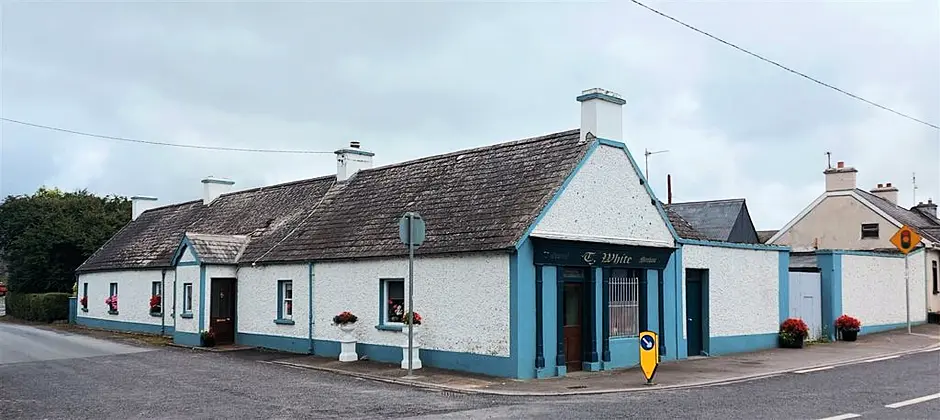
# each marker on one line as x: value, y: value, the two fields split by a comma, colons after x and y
x: 285, y: 292
x: 624, y: 308
x: 113, y: 289
x: 155, y: 289
x: 393, y: 302
x: 187, y: 298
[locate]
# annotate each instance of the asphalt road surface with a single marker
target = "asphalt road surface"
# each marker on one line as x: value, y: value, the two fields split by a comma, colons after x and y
x: 51, y: 375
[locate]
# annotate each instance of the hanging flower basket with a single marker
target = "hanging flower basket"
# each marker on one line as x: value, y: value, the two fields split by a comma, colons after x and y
x: 155, y: 302
x: 344, y: 318
x: 848, y: 327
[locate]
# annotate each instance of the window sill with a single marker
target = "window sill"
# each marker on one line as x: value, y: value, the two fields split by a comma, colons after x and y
x: 186, y: 315
x: 284, y: 321
x: 84, y: 309
x: 156, y: 314
x: 388, y: 327
x: 110, y: 312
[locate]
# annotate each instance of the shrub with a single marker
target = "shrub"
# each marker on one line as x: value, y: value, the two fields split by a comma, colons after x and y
x: 207, y: 338
x: 794, y: 327
x: 41, y: 307
x: 847, y: 323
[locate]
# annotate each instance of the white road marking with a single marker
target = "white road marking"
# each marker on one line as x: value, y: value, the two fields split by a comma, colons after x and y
x: 819, y: 369
x: 843, y: 416
x: 914, y: 401
x: 882, y: 359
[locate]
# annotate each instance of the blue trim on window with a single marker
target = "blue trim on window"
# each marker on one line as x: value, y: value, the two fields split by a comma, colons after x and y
x: 389, y: 327
x: 525, y: 236
x: 382, y: 322
x: 783, y: 285
x: 202, y: 298
x: 830, y: 270
x: 183, y: 304
x: 645, y: 182
x: 759, y: 247
x: 284, y: 321
x: 741, y: 343
x: 522, y: 311
x: 187, y: 315
x: 280, y: 297
x: 109, y: 325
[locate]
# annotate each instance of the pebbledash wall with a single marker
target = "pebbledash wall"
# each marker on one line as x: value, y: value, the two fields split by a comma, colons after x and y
x: 744, y: 287
x: 870, y: 286
x: 134, y: 292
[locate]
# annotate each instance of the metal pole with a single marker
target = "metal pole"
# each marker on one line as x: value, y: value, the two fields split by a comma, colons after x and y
x: 646, y: 158
x: 907, y: 293
x: 411, y: 287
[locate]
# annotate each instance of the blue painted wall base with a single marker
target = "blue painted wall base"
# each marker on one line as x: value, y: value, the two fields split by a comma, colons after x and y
x: 872, y: 329
x: 741, y: 343
x: 109, y: 325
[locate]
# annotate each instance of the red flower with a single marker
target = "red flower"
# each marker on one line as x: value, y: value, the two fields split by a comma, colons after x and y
x: 795, y: 326
x: 84, y: 301
x: 848, y: 323
x: 154, y: 301
x: 409, y: 319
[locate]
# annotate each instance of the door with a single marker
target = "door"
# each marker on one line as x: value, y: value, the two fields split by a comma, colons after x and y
x: 806, y: 301
x: 573, y: 326
x: 695, y: 314
x: 222, y: 310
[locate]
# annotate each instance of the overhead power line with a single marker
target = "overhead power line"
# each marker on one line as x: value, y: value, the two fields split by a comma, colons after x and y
x: 803, y: 75
x: 159, y: 143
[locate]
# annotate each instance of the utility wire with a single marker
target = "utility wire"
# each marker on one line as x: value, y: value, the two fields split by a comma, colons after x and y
x: 157, y: 143
x: 803, y: 75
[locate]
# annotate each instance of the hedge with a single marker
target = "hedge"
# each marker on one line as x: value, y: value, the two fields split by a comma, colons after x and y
x: 42, y: 307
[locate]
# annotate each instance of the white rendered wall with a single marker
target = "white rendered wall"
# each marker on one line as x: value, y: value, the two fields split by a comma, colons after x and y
x: 187, y: 256
x: 134, y: 288
x: 933, y: 301
x: 187, y: 274
x: 257, y: 299
x: 742, y: 289
x: 464, y: 300
x: 606, y: 202
x: 873, y: 289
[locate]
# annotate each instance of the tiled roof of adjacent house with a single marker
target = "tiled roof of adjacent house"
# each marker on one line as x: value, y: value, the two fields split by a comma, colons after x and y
x: 218, y: 249
x: 714, y: 219
x: 481, y: 199
x: 925, y: 225
x: 764, y: 235
x: 682, y: 226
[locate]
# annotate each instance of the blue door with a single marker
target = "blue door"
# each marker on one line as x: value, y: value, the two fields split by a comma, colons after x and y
x: 695, y: 315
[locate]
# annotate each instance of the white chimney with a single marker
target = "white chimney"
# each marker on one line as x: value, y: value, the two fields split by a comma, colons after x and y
x: 841, y: 177
x: 352, y: 160
x: 886, y: 192
x: 140, y: 204
x: 213, y: 187
x: 601, y: 114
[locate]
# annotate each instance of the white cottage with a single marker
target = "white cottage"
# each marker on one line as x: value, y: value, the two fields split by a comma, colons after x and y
x: 543, y: 256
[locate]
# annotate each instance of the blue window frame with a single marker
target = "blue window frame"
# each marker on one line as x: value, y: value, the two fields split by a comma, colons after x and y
x: 391, y: 303
x: 285, y: 302
x: 188, y: 299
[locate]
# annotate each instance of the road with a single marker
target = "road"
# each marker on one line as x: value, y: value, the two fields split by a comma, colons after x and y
x: 52, y: 375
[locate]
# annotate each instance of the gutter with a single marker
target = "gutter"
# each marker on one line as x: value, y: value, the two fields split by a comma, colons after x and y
x: 310, y: 306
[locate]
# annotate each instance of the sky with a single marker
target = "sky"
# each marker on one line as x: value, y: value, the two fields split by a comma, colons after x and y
x: 414, y: 79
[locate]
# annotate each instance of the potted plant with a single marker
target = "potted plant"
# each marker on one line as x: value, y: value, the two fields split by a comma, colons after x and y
x: 112, y: 302
x: 207, y: 338
x: 848, y: 327
x: 84, y: 302
x: 413, y: 319
x: 155, y: 301
x: 793, y: 332
x: 345, y: 321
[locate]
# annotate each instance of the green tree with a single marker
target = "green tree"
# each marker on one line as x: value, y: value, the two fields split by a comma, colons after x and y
x: 45, y: 236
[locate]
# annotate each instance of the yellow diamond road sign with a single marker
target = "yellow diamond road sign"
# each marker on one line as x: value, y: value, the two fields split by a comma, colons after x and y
x: 649, y: 354
x: 906, y: 239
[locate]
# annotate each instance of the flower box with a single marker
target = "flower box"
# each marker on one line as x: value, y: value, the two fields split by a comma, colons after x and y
x: 793, y: 333
x: 848, y: 327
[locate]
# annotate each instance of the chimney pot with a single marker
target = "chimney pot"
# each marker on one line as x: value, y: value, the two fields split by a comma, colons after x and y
x: 354, y: 144
x: 601, y: 114
x: 840, y: 164
x: 880, y: 185
x: 841, y: 178
x: 888, y: 185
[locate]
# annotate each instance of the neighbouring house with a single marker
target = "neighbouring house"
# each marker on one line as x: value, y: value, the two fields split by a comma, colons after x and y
x: 720, y: 220
x: 845, y: 217
x: 543, y: 256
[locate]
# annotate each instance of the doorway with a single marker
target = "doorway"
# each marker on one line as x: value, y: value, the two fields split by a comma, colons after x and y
x: 222, y: 306
x: 806, y: 300
x: 696, y: 308
x: 573, y: 325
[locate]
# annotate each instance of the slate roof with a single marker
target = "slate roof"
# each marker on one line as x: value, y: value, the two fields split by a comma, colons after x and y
x: 682, y: 226
x: 714, y: 219
x: 926, y: 226
x: 764, y: 235
x: 480, y: 199
x: 218, y: 249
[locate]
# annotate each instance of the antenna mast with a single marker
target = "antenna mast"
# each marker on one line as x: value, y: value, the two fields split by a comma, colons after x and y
x: 828, y: 160
x: 914, y: 190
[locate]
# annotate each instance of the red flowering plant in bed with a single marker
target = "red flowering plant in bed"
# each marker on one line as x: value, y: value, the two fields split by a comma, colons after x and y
x: 792, y: 333
x: 848, y: 327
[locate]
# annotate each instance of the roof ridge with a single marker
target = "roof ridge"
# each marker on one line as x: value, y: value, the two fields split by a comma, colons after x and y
x: 478, y: 149
x: 723, y: 200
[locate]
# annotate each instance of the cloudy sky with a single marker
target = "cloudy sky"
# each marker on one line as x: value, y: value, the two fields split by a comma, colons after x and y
x: 415, y: 79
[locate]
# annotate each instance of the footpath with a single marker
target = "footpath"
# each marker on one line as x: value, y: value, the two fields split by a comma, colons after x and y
x: 691, y: 373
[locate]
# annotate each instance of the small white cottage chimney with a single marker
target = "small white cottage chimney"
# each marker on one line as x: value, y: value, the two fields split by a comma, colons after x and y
x: 140, y: 204
x: 841, y: 177
x: 887, y: 192
x: 601, y: 114
x: 213, y: 187
x: 352, y: 160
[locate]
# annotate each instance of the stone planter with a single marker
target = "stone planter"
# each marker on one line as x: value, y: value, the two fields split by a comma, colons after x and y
x: 415, y: 354
x: 848, y: 335
x: 347, y: 344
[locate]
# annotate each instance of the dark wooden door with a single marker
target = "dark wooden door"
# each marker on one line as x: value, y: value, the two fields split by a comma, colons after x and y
x: 695, y: 314
x: 222, y: 310
x: 573, y: 326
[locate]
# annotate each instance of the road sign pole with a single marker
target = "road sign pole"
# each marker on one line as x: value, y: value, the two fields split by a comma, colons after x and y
x: 411, y: 288
x: 907, y: 293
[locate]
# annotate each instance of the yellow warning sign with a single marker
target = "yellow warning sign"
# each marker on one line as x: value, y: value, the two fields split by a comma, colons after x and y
x: 649, y: 354
x: 906, y: 239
